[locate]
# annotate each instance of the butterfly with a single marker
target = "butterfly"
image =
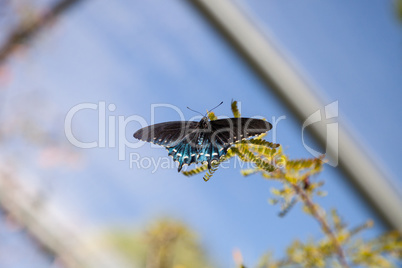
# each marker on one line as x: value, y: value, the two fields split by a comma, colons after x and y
x: 204, y: 141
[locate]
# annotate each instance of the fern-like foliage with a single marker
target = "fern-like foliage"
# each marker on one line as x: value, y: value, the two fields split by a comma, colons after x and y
x: 204, y: 167
x: 383, y: 251
x: 260, y: 141
x: 268, y: 159
x: 195, y: 171
x: 338, y: 248
x: 211, y: 171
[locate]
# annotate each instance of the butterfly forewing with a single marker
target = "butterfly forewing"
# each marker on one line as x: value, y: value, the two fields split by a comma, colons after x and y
x: 166, y: 134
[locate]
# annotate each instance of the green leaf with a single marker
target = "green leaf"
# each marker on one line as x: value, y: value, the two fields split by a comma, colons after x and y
x: 212, y: 116
x: 264, y: 143
x: 248, y: 172
x: 287, y: 207
x: 273, y: 201
x: 260, y: 142
x: 195, y: 170
x: 235, y: 110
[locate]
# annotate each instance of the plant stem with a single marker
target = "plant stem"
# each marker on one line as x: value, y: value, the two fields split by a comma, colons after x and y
x: 323, y: 222
x: 24, y: 33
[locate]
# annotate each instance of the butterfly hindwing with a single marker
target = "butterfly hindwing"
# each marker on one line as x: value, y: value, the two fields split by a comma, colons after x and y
x: 196, y: 147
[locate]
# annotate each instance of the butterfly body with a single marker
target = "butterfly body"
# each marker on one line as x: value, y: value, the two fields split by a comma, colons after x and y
x: 204, y: 141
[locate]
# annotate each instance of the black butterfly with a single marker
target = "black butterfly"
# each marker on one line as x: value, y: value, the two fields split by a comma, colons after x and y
x: 204, y: 141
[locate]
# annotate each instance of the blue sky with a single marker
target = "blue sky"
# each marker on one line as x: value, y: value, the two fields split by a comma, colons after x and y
x: 138, y: 53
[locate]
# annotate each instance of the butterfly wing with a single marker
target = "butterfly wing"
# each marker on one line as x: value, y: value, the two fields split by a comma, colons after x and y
x: 211, y: 142
x: 197, y: 147
x: 180, y: 138
x: 166, y: 134
x: 230, y: 130
x: 188, y: 142
x: 187, y: 150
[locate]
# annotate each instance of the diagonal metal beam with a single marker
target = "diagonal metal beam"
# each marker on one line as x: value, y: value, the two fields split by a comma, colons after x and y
x: 278, y: 74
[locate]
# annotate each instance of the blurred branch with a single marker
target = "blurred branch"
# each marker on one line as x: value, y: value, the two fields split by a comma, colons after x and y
x: 53, y: 233
x: 314, y: 210
x: 27, y: 31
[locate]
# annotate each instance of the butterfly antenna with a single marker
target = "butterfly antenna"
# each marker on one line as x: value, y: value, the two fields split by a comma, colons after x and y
x: 194, y: 111
x: 216, y: 106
